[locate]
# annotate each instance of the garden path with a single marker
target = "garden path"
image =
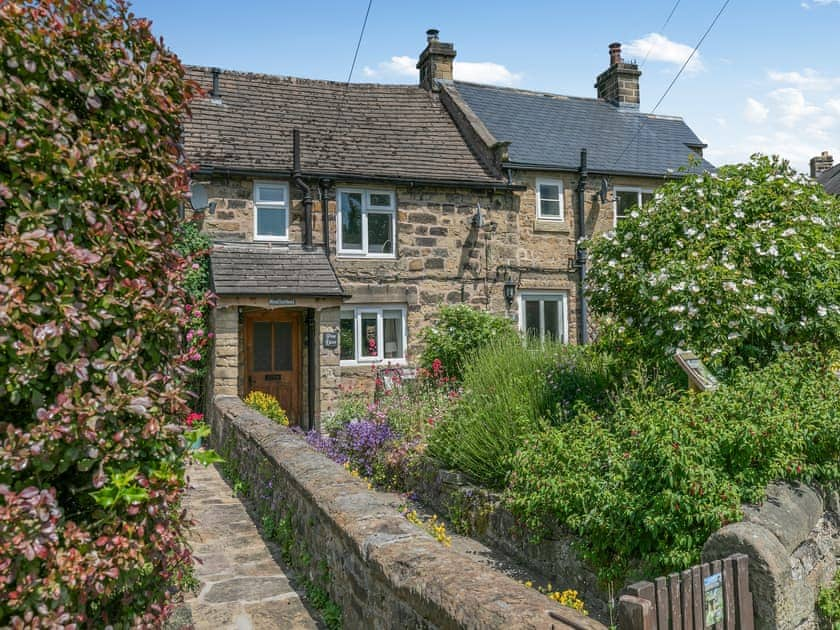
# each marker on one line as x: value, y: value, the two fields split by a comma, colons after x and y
x: 242, y: 585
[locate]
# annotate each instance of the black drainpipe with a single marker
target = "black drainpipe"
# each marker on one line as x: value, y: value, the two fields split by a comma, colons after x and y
x: 580, y: 262
x: 302, y: 186
x: 311, y: 372
x: 323, y: 189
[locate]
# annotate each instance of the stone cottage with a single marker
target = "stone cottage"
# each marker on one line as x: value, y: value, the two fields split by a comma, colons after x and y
x: 344, y: 215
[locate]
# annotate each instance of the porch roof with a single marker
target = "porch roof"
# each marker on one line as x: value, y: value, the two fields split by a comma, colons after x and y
x: 263, y: 269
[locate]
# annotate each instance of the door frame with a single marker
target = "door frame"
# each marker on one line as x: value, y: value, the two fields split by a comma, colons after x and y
x: 278, y: 315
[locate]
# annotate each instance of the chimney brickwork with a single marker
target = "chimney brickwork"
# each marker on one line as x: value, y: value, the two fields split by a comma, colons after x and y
x: 821, y: 163
x: 435, y: 61
x: 619, y: 84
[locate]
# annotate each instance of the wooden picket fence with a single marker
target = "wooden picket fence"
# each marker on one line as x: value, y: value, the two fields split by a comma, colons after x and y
x: 676, y: 602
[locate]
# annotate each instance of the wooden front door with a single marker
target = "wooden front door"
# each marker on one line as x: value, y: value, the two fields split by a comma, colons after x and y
x: 273, y: 358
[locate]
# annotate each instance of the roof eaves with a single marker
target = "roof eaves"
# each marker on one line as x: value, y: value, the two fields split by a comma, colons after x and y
x: 602, y: 171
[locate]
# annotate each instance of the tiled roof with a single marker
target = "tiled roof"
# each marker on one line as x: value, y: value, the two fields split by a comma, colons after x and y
x: 830, y: 180
x: 392, y: 131
x: 260, y: 269
x: 550, y: 130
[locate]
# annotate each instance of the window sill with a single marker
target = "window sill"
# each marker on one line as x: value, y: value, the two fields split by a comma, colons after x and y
x: 378, y: 364
x: 341, y: 256
x: 272, y: 239
x: 552, y: 225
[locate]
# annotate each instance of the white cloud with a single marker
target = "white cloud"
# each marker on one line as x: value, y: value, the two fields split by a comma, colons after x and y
x: 656, y: 47
x: 754, y: 111
x: 399, y: 66
x: 833, y: 105
x: 484, y: 72
x: 402, y: 67
x: 826, y: 2
x: 792, y: 106
x: 808, y: 79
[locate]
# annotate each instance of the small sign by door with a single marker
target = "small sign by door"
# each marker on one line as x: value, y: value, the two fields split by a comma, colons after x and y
x: 330, y: 340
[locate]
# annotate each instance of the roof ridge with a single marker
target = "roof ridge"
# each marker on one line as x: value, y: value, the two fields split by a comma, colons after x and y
x: 290, y: 78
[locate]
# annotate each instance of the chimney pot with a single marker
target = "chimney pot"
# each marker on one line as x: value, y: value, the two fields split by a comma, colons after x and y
x: 435, y: 61
x: 432, y: 35
x: 619, y: 84
x: 615, y: 53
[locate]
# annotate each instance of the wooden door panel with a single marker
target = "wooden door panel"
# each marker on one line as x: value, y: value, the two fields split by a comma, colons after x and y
x: 273, y: 359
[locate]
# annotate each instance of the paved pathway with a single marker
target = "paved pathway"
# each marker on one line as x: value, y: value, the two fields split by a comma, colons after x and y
x: 243, y: 587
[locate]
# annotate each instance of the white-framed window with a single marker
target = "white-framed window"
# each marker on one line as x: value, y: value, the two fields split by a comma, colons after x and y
x: 550, y: 199
x: 372, y: 334
x: 544, y: 315
x: 271, y: 211
x: 627, y: 198
x: 367, y: 223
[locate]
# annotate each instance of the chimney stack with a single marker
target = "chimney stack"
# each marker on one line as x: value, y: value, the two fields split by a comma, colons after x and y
x: 821, y: 163
x: 619, y: 84
x: 435, y: 61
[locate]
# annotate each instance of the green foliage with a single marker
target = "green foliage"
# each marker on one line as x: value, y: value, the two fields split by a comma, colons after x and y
x: 352, y: 405
x: 828, y: 604
x: 505, y: 398
x: 646, y: 484
x: 92, y: 351
x: 192, y: 243
x: 737, y: 265
x: 459, y: 332
x: 268, y: 406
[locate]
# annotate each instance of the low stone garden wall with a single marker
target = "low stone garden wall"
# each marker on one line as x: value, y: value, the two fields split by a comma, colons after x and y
x: 380, y: 569
x: 479, y: 513
x: 793, y: 541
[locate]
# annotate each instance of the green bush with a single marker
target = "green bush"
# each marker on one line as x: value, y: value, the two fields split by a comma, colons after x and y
x: 505, y: 397
x: 828, y: 604
x: 459, y: 332
x: 92, y: 317
x: 737, y: 265
x: 645, y: 485
x: 268, y: 406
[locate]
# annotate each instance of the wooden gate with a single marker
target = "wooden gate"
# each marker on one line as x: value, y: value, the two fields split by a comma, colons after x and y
x: 713, y: 595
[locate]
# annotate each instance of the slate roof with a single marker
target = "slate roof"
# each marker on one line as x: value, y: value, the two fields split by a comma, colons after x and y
x: 830, y: 180
x: 262, y: 269
x: 549, y: 130
x: 384, y: 131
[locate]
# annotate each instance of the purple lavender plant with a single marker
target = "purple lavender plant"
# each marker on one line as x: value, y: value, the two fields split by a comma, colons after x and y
x: 358, y: 443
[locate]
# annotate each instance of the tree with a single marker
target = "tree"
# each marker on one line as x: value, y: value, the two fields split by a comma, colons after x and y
x: 92, y: 356
x: 737, y: 265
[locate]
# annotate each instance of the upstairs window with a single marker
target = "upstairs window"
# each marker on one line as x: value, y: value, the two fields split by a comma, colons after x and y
x: 628, y: 198
x: 367, y: 223
x: 372, y: 334
x: 271, y: 212
x: 550, y: 199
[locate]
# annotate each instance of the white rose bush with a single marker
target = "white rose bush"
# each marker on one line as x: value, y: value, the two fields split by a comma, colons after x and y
x: 737, y: 265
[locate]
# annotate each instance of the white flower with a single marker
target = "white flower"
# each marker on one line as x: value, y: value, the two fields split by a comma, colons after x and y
x: 679, y: 326
x: 797, y: 256
x: 822, y: 311
x: 730, y: 286
x: 689, y: 232
x: 748, y: 282
x: 738, y: 214
x: 788, y: 232
x: 732, y: 336
x: 773, y: 251
x: 677, y: 308
x: 658, y: 332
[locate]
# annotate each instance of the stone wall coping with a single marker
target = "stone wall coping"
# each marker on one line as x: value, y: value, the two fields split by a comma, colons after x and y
x: 431, y: 577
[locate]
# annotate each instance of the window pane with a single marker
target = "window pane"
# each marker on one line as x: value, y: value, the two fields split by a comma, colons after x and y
x: 646, y: 197
x: 549, y: 208
x: 347, y: 337
x: 532, y: 318
x: 549, y: 191
x: 271, y: 193
x: 382, y: 200
x: 380, y: 236
x: 262, y: 347
x: 370, y: 339
x: 351, y: 220
x: 392, y: 334
x: 282, y: 346
x: 551, y: 319
x: 626, y: 200
x: 271, y: 221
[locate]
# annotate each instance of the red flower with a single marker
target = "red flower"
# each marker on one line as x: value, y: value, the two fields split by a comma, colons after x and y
x: 193, y: 418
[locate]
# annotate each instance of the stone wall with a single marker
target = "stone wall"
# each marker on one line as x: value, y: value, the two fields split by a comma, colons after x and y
x: 479, y: 514
x: 793, y: 541
x: 384, y: 571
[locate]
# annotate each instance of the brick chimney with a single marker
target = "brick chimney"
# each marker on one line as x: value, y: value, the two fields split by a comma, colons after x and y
x: 821, y: 163
x: 435, y: 61
x: 619, y: 84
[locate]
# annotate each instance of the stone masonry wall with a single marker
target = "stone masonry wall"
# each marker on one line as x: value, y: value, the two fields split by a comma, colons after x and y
x: 793, y: 541
x: 383, y: 571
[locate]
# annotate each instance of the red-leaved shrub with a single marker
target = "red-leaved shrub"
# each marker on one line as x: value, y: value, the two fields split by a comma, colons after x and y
x: 92, y: 359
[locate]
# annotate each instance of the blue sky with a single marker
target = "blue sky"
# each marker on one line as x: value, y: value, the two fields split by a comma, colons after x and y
x: 766, y: 79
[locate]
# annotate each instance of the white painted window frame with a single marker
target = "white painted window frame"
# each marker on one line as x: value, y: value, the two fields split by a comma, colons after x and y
x: 271, y: 205
x: 636, y: 189
x: 544, y: 296
x: 357, y: 310
x: 366, y: 208
x: 544, y: 181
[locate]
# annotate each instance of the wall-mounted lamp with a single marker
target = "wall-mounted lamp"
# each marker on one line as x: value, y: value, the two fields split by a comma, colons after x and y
x: 602, y: 192
x: 198, y: 199
x: 510, y: 291
x: 478, y: 218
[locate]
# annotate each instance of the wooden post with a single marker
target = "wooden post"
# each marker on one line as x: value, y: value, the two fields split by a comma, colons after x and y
x: 635, y: 613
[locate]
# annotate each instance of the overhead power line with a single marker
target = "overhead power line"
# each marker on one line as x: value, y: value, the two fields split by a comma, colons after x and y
x: 674, y: 80
x: 661, y: 30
